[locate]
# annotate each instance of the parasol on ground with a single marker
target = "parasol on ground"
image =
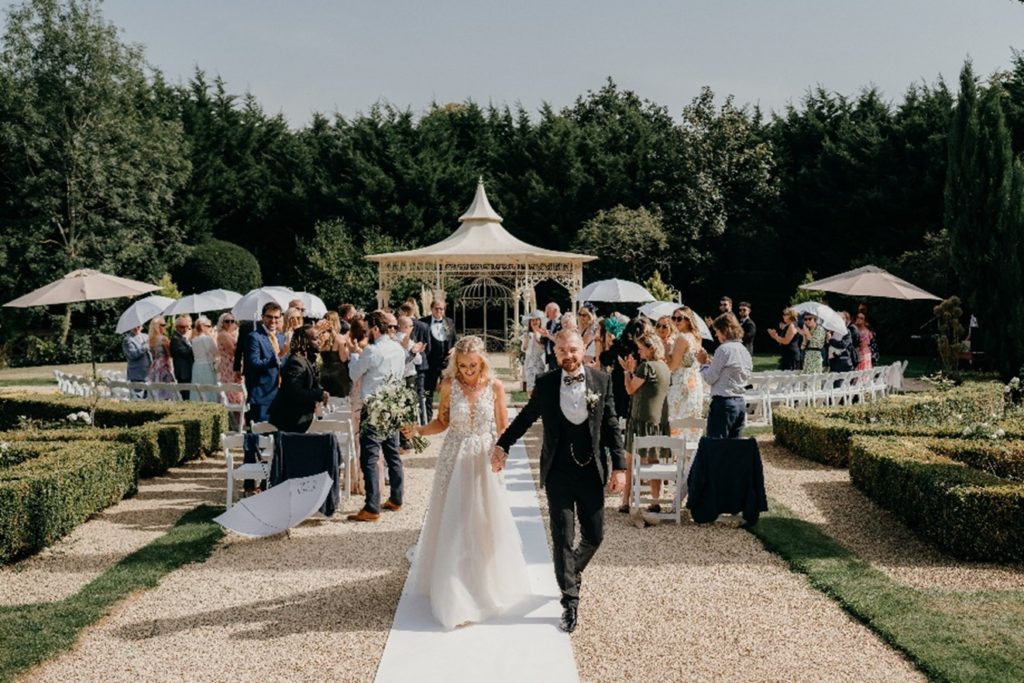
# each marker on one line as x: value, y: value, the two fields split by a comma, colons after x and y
x: 141, y: 312
x: 279, y: 508
x: 614, y: 291
x: 830, y: 320
x: 83, y: 286
x: 871, y: 281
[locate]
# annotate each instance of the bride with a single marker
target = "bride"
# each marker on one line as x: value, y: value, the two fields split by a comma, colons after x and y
x: 469, y: 559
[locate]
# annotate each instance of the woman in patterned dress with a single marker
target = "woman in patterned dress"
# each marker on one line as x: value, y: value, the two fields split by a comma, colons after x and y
x: 686, y: 395
x: 161, y: 371
x: 814, y: 341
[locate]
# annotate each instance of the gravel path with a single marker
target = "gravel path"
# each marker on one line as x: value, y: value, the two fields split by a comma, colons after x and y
x: 825, y: 496
x: 710, y: 603
x: 65, y: 567
x: 315, y: 605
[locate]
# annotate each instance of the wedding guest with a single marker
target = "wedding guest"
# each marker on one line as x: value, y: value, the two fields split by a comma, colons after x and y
x: 420, y: 334
x: 382, y: 360
x: 551, y: 327
x: 624, y: 346
x: 442, y: 341
x: 568, y: 322
x: 590, y: 330
x: 294, y: 407
x: 161, y: 371
x: 292, y: 321
x: 868, y: 342
x: 205, y: 353
x: 533, y: 350
x: 686, y: 393
x: 245, y: 328
x: 135, y: 346
x: 333, y: 338
x: 647, y: 383
x: 413, y: 349
x: 181, y: 351
x: 749, y: 328
x: 840, y: 347
x: 853, y: 342
x: 227, y: 342
x: 664, y: 329
x: 264, y: 349
x: 788, y: 338
x: 347, y: 312
x: 300, y: 307
x: 727, y: 374
x: 724, y: 306
x: 814, y: 337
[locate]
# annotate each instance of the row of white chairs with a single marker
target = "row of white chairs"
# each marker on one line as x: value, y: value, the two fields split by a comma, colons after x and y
x: 671, y: 469
x: 796, y: 389
x: 109, y: 385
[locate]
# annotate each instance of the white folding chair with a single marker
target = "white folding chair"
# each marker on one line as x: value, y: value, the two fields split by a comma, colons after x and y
x: 345, y: 434
x: 672, y: 469
x: 263, y: 428
x: 232, y: 444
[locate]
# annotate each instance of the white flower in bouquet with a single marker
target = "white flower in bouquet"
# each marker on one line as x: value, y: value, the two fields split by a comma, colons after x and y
x: 391, y: 407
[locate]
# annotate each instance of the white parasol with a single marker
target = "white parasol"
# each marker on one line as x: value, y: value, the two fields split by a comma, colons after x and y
x: 250, y: 306
x: 279, y: 508
x: 141, y: 312
x: 315, y: 306
x: 222, y: 299
x: 830, y: 320
x: 614, y: 291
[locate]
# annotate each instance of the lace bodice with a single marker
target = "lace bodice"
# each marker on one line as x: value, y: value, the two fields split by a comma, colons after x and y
x: 471, y: 416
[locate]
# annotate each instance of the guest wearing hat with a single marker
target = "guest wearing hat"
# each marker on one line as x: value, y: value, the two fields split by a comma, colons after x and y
x: 534, y: 361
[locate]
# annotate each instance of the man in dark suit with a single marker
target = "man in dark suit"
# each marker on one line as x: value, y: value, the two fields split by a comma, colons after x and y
x: 420, y: 334
x: 581, y: 453
x: 749, y: 328
x: 442, y: 341
x: 552, y: 326
x: 181, y: 352
x: 263, y: 363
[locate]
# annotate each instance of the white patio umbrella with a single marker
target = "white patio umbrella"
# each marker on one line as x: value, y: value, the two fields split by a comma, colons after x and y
x: 193, y: 303
x: 871, y: 281
x: 614, y: 291
x: 279, y: 508
x: 250, y: 306
x: 83, y: 286
x: 223, y: 298
x: 141, y: 312
x: 315, y: 306
x: 830, y: 320
x: 657, y: 309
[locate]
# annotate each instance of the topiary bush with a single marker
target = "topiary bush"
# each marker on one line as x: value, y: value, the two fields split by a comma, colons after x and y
x: 216, y: 264
x: 969, y: 513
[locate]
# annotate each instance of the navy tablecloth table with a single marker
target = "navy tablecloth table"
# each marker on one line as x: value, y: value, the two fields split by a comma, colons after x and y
x: 726, y: 478
x: 303, y: 455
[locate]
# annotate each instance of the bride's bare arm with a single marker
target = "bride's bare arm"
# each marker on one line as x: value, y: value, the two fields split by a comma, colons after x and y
x: 500, y: 406
x: 440, y: 422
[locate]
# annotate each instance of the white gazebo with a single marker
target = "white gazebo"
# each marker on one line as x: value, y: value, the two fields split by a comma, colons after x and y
x: 481, y: 248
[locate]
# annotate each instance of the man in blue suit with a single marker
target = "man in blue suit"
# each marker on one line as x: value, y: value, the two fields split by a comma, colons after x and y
x: 263, y: 363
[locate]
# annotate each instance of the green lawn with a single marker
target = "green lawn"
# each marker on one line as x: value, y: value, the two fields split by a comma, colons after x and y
x: 31, y: 634
x: 951, y: 635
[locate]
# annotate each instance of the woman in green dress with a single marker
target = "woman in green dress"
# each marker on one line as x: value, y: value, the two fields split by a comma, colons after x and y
x: 647, y: 384
x: 814, y: 340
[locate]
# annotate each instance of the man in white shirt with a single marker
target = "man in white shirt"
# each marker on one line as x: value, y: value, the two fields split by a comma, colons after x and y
x: 381, y: 361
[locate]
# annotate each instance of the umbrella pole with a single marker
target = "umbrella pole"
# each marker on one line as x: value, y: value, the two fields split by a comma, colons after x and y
x: 92, y: 357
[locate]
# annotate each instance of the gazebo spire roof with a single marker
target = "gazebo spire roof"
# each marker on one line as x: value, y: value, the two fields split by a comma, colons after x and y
x: 480, y: 209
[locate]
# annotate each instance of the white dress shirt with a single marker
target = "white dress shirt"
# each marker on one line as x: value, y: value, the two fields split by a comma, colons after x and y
x: 437, y: 330
x: 379, y: 362
x: 573, y: 398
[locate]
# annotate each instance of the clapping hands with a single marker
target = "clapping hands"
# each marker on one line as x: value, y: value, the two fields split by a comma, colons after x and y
x: 702, y: 356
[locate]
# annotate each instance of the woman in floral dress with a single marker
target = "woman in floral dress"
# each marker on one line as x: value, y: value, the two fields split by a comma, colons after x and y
x: 686, y: 394
x: 814, y: 341
x: 161, y: 371
x: 533, y: 347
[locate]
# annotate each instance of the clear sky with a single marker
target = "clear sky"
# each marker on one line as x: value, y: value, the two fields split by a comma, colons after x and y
x: 301, y: 56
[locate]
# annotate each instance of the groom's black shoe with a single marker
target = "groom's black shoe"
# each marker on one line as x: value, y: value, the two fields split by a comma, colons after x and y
x: 568, y: 623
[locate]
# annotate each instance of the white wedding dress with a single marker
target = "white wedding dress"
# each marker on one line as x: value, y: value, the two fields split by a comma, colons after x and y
x: 469, y: 559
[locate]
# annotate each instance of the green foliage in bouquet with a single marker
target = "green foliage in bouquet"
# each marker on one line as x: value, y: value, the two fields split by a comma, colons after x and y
x: 393, y: 406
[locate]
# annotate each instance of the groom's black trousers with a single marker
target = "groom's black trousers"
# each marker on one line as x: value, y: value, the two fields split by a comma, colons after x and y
x: 572, y: 493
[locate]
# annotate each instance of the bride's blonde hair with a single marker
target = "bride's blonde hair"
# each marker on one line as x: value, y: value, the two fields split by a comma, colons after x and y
x: 465, y: 346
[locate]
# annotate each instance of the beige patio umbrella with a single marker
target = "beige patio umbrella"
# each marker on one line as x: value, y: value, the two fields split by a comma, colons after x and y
x: 871, y: 281
x: 83, y: 286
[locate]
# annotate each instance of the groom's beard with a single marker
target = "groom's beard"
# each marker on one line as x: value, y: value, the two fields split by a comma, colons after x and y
x: 570, y: 365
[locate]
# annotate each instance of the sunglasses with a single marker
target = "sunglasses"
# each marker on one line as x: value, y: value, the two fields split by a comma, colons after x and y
x: 392, y: 327
x: 679, y: 318
x: 664, y: 326
x: 230, y: 321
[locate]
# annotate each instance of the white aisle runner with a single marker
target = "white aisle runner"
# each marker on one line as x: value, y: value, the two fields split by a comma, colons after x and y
x: 525, y: 647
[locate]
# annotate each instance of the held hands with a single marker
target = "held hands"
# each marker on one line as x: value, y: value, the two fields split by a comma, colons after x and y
x: 617, y: 482
x: 498, y: 459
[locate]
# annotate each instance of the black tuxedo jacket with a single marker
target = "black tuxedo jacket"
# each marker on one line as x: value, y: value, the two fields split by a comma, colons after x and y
x: 544, y: 403
x: 437, y: 356
x: 421, y: 333
x: 295, y: 403
x: 183, y: 358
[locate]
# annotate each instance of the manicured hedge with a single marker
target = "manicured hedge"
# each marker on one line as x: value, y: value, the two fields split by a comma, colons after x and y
x: 970, y: 513
x: 58, y: 486
x: 825, y: 434
x: 1003, y: 458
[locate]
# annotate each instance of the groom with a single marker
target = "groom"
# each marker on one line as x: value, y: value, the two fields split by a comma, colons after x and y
x: 578, y: 411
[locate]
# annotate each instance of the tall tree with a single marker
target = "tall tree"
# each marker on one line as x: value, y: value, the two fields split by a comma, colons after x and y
x: 88, y: 163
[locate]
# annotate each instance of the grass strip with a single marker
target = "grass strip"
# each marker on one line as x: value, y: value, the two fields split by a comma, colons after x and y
x: 950, y: 635
x: 31, y: 634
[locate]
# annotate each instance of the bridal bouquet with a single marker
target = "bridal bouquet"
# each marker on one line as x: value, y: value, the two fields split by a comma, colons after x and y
x: 391, y: 407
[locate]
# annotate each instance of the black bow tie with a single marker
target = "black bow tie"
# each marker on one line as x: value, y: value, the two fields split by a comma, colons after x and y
x: 569, y: 381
